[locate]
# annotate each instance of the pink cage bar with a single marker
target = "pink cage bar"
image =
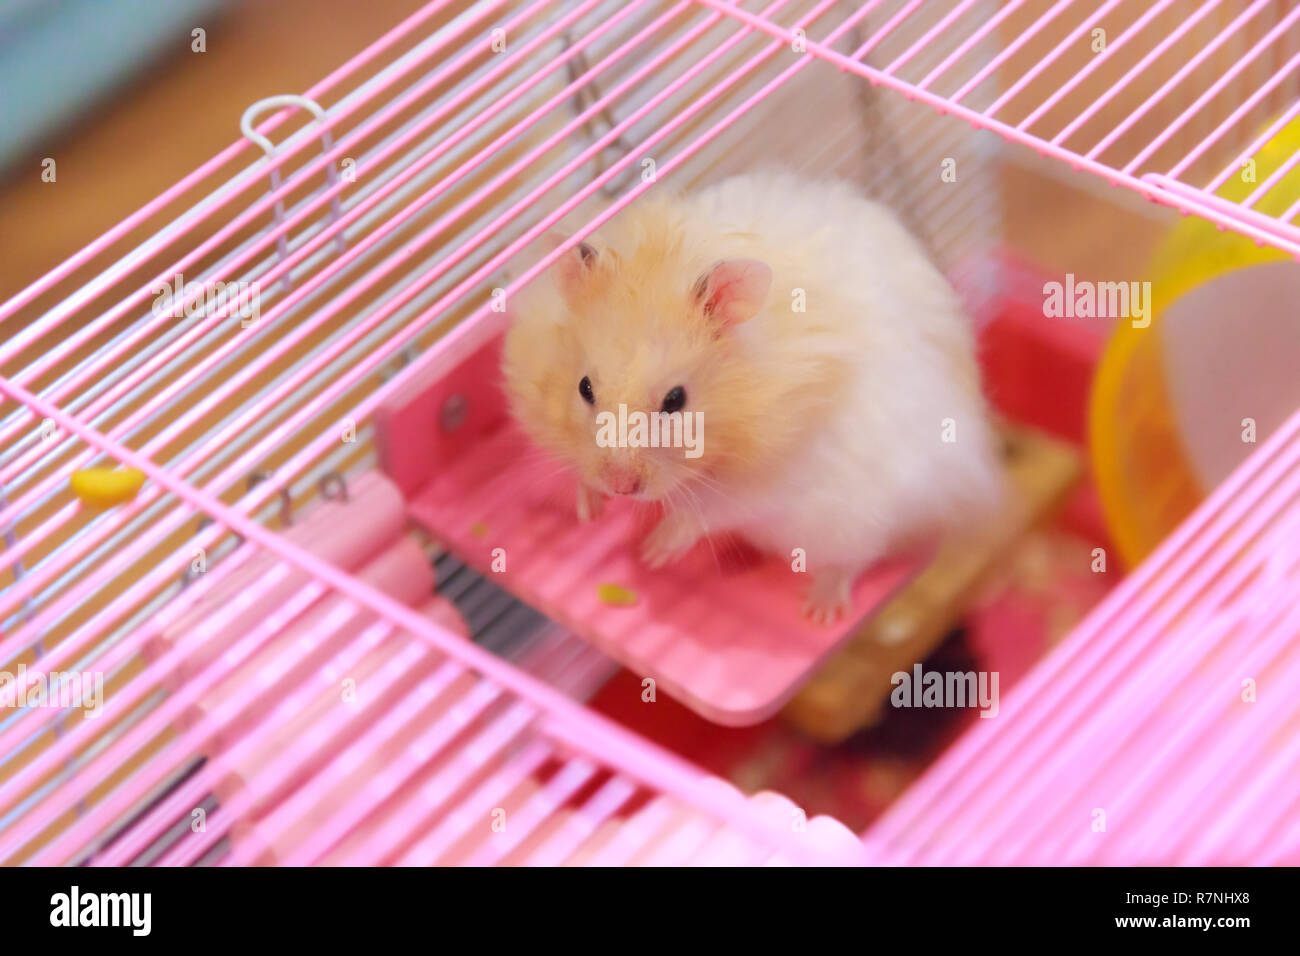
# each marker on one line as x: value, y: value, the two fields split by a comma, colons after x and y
x: 306, y: 699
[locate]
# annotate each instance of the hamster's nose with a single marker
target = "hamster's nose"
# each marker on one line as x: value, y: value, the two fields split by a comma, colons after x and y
x: 623, y: 481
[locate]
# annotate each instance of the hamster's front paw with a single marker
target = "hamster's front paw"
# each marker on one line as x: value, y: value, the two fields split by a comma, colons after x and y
x: 830, y: 597
x: 672, y: 537
x: 590, y: 503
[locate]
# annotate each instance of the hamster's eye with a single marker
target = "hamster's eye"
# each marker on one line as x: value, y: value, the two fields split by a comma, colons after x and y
x: 584, y: 389
x: 675, y: 400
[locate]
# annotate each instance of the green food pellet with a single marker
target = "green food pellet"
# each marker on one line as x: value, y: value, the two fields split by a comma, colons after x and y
x: 478, y: 529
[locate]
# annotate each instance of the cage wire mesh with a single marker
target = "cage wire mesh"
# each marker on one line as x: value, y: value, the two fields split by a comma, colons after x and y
x: 351, y: 283
x: 134, y: 370
x: 817, y: 122
x: 373, y: 229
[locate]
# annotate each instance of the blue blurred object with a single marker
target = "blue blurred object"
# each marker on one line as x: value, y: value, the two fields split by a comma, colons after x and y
x: 57, y: 57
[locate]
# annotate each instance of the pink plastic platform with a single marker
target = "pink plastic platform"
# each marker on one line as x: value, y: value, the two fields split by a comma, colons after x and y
x: 721, y: 631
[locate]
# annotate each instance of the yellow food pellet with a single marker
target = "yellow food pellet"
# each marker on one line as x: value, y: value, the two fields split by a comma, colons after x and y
x: 478, y: 529
x: 614, y: 594
x: 105, y: 487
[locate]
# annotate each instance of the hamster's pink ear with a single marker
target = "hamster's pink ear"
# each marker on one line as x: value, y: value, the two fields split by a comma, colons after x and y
x: 572, y: 267
x: 733, y: 290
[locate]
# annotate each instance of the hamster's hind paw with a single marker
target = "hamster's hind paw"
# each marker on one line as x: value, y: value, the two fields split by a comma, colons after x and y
x: 590, y: 503
x: 671, y: 538
x: 830, y: 598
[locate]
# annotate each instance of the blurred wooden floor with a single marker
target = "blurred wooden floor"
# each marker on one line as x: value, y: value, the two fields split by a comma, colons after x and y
x: 176, y: 115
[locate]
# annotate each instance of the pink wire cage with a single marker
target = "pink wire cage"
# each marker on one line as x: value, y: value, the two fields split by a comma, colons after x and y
x: 426, y: 166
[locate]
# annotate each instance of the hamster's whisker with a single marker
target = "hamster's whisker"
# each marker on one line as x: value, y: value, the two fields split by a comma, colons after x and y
x: 713, y: 485
x: 694, y: 501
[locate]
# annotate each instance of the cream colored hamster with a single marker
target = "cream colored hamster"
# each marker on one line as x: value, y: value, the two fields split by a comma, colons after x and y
x: 827, y: 362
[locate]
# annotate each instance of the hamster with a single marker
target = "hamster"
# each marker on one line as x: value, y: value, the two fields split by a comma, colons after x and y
x: 827, y: 362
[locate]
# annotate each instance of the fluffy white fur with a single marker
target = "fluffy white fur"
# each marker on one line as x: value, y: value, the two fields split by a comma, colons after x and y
x: 866, y: 470
x: 876, y: 473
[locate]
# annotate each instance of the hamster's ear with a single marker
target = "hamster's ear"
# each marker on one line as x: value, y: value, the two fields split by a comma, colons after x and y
x: 572, y: 267
x: 733, y: 290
